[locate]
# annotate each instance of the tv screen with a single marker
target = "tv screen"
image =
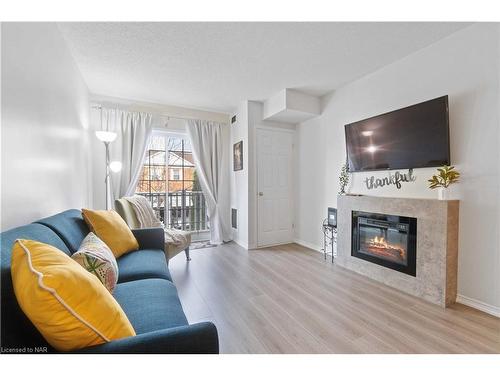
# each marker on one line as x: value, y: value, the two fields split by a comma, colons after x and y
x: 413, y: 137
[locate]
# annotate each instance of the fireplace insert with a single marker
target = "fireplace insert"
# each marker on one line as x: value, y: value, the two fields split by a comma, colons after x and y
x: 386, y: 240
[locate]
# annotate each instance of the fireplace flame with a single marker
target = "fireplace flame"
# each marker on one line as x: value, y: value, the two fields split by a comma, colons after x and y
x: 380, y: 246
x: 380, y: 241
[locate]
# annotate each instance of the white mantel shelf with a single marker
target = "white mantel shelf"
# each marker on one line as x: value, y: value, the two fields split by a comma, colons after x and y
x: 437, y: 245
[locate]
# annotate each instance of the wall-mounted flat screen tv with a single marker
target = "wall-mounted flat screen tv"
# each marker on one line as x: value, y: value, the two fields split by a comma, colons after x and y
x: 413, y: 137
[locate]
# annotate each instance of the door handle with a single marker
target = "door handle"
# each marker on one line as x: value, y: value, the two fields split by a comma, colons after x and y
x: 261, y: 193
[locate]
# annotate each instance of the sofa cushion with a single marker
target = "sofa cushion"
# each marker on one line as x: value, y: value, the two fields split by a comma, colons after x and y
x: 150, y: 304
x: 17, y: 330
x: 143, y: 264
x: 70, y: 226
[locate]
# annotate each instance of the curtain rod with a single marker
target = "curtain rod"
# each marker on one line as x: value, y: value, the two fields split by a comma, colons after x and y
x: 168, y: 117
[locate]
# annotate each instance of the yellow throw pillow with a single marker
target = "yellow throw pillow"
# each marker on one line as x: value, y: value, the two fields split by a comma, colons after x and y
x: 112, y: 229
x: 66, y: 303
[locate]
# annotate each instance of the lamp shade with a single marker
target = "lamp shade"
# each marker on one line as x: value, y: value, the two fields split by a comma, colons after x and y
x: 105, y: 136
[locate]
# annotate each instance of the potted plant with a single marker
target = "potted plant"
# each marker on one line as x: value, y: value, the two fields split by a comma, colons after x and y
x: 344, y: 178
x: 447, y: 175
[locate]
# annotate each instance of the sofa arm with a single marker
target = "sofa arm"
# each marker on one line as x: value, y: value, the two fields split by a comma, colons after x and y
x: 199, y: 338
x: 150, y: 238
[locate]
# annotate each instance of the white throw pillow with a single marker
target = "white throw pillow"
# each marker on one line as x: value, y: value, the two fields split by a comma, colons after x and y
x: 97, y: 258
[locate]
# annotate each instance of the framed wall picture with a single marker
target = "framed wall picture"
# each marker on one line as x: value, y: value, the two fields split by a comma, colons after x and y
x: 238, y: 156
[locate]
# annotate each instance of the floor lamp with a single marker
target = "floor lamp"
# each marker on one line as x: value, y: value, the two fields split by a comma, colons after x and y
x: 108, y: 137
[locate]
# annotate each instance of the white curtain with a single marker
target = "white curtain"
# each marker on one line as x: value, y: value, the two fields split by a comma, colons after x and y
x: 209, y: 142
x: 134, y: 131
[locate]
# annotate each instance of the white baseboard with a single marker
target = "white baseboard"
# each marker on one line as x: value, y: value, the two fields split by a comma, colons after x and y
x: 256, y: 247
x: 241, y: 243
x: 479, y: 305
x: 308, y: 245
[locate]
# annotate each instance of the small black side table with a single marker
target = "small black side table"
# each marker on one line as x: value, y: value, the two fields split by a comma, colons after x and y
x: 329, y: 239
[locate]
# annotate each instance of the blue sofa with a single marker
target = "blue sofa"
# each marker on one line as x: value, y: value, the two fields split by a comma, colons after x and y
x: 145, y: 292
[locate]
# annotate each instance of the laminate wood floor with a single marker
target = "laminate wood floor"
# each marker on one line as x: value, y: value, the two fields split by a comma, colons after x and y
x: 288, y: 299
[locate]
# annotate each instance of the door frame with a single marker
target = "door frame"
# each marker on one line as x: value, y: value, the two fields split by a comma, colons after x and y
x: 293, y: 133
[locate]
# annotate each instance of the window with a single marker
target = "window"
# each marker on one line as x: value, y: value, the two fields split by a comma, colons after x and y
x: 175, y: 174
x: 169, y: 181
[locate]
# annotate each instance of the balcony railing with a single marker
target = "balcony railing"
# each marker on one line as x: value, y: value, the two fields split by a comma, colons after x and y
x: 185, y: 210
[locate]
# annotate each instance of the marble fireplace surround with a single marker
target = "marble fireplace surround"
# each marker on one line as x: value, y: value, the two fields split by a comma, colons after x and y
x: 437, y: 245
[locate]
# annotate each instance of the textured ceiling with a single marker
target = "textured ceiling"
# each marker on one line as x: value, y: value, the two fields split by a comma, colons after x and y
x: 215, y: 65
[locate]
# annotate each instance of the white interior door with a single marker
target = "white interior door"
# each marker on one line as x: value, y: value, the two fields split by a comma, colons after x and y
x: 274, y: 187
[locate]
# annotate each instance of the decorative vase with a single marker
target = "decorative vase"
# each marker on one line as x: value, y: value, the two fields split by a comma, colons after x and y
x: 442, y: 193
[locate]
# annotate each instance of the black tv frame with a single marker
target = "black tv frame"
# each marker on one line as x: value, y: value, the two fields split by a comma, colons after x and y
x: 396, y: 110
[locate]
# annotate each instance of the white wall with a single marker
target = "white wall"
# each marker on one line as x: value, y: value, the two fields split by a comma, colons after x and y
x: 464, y: 66
x: 239, y: 179
x: 45, y: 120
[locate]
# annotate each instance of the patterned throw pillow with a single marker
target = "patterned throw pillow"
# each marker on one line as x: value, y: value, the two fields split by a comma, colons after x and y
x: 96, y: 257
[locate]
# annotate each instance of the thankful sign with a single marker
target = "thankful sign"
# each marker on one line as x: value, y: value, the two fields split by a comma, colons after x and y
x: 393, y: 179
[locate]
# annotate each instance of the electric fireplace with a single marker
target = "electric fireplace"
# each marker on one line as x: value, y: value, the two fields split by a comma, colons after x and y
x: 387, y: 240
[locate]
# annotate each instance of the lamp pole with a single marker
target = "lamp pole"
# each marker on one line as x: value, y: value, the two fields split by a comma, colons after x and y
x: 106, y: 137
x: 106, y: 180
